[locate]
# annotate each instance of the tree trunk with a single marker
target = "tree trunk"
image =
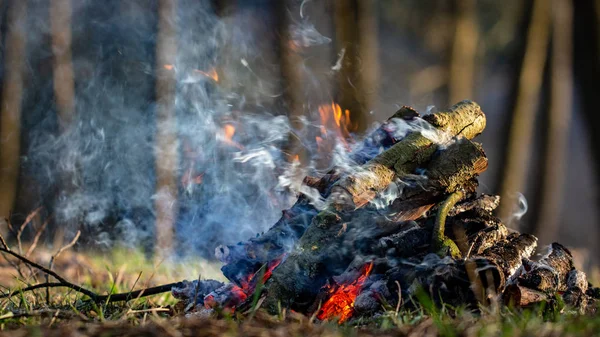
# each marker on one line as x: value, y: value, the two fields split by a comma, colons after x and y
x: 464, y: 49
x: 292, y: 77
x: 166, y: 134
x: 587, y: 70
x: 356, y: 34
x: 561, y: 104
x: 521, y: 128
x: 10, y: 112
x: 64, y: 87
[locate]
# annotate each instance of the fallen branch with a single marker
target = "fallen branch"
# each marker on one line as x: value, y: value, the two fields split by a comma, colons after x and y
x: 92, y: 295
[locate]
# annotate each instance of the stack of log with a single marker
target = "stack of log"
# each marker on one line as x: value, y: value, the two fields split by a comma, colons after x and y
x: 409, y: 211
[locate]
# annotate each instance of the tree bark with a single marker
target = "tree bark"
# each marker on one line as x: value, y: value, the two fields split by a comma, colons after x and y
x: 166, y: 136
x: 10, y: 112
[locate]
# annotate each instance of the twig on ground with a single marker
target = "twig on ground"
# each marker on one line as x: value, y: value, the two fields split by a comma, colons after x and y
x: 147, y: 310
x: 39, y: 313
x: 4, y: 245
x: 62, y: 282
x: 51, y: 273
x: 36, y: 238
x: 12, y: 264
x: 24, y: 225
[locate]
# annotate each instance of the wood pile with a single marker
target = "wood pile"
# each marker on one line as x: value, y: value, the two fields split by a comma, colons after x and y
x: 407, y: 219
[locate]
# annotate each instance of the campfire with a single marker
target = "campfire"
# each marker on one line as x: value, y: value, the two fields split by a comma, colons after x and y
x: 405, y: 219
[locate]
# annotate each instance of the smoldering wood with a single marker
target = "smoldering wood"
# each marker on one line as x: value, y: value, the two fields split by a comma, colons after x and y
x: 464, y: 119
x: 323, y: 240
x: 245, y: 258
x: 484, y: 202
x: 522, y: 296
x: 381, y: 138
x: 384, y: 213
x: 509, y: 253
x: 195, y: 291
x: 550, y: 273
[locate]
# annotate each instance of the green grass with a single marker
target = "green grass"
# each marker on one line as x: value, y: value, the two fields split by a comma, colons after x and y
x: 120, y: 271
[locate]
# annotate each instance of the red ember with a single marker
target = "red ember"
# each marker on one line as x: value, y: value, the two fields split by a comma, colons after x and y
x: 235, y: 295
x: 341, y: 300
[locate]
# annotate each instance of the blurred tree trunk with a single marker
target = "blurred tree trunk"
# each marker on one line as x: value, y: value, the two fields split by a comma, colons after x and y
x: 64, y: 87
x: 586, y: 61
x: 358, y: 78
x: 10, y: 112
x: 559, y: 121
x: 368, y: 56
x: 166, y: 134
x: 292, y: 75
x: 522, y: 124
x: 464, y: 50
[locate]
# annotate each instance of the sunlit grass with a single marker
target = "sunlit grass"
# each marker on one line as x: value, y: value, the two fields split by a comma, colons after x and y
x: 123, y: 270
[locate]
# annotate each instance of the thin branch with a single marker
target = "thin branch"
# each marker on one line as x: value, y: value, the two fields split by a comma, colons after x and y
x: 92, y: 295
x: 36, y: 239
x: 39, y: 313
x: 66, y: 283
x: 14, y: 265
x: 4, y: 245
x: 24, y: 225
x: 34, y: 287
x: 138, y: 293
x: 62, y: 249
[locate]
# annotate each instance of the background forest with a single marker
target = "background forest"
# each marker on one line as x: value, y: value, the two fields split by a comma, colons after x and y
x: 179, y: 125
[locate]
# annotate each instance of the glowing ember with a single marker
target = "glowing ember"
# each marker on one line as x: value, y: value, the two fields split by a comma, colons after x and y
x: 341, y: 299
x: 168, y: 66
x: 235, y: 295
x: 211, y: 74
x: 189, y: 179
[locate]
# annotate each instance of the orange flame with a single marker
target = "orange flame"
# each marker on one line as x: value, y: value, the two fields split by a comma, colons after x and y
x: 341, y: 299
x: 168, y: 66
x: 335, y: 119
x: 211, y: 74
x: 229, y: 131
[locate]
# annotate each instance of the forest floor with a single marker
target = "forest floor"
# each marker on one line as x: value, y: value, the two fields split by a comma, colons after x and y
x: 121, y: 270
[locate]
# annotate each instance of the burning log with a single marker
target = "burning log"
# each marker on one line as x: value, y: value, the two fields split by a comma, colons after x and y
x: 320, y: 251
x: 245, y: 258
